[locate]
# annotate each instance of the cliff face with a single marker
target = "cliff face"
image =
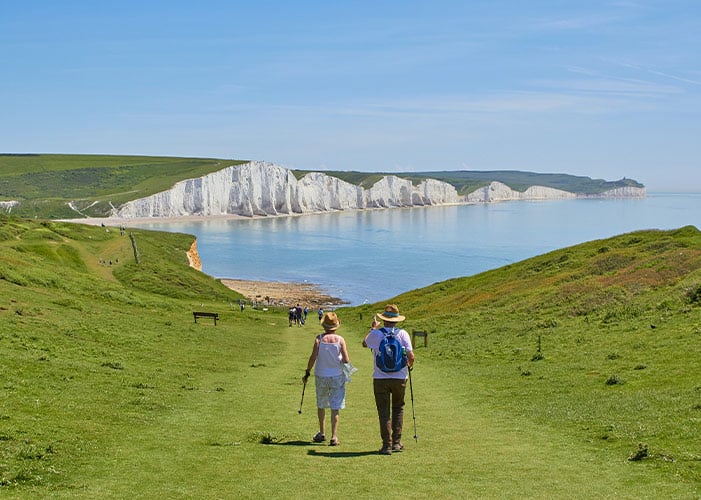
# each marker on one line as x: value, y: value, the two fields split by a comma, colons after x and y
x: 6, y: 206
x: 193, y: 256
x: 496, y: 191
x: 260, y: 188
x: 623, y: 192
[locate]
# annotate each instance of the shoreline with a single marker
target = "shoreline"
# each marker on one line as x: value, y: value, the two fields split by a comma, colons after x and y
x: 124, y: 221
x: 121, y: 221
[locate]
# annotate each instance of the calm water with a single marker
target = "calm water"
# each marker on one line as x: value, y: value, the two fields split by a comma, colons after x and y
x: 373, y: 255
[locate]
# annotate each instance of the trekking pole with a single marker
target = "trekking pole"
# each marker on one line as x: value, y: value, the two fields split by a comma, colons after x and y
x: 413, y: 414
x: 302, y: 401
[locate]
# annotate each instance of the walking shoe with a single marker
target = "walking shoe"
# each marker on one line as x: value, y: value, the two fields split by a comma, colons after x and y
x: 334, y: 442
x: 397, y: 447
x: 319, y: 437
x: 385, y: 450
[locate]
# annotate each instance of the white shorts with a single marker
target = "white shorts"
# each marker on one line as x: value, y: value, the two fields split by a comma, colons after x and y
x: 331, y: 392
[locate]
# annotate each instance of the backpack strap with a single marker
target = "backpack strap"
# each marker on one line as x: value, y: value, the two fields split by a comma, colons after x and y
x: 386, y: 332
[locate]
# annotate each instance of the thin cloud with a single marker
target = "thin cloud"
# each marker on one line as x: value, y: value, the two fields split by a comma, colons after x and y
x: 578, y: 23
x: 523, y: 102
x: 652, y: 71
x: 611, y: 85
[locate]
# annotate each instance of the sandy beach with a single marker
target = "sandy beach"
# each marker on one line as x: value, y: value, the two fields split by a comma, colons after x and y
x: 281, y: 293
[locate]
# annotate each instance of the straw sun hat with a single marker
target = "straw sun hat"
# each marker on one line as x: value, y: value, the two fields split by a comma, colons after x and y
x: 330, y: 321
x: 391, y: 314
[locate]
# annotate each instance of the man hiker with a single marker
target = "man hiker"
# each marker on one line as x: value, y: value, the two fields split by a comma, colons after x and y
x: 390, y: 375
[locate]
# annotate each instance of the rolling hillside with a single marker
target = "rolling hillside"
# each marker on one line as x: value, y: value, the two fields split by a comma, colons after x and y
x: 92, y: 184
x: 576, y: 370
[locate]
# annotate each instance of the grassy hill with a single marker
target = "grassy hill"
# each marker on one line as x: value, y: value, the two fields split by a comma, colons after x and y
x: 45, y: 184
x: 66, y: 186
x: 574, y: 374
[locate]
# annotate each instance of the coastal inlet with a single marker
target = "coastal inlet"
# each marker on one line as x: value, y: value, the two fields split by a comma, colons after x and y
x: 272, y: 293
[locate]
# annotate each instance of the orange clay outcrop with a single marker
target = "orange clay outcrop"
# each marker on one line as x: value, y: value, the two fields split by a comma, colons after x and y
x: 194, y: 257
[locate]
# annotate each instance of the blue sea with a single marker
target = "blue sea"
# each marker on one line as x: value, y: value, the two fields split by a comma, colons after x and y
x: 369, y: 256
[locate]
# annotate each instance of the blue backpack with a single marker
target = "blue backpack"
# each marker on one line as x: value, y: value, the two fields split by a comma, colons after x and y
x: 390, y: 356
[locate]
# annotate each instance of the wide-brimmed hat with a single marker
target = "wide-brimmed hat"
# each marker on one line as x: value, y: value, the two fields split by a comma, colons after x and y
x: 330, y: 321
x: 391, y: 314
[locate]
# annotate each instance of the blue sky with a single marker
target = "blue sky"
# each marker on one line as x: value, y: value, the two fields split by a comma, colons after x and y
x: 605, y: 89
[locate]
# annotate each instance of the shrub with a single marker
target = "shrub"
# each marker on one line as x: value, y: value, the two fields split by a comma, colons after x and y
x: 639, y: 454
x: 694, y: 295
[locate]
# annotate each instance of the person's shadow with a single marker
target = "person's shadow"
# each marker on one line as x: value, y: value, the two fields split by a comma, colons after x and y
x: 342, y: 454
x: 325, y: 454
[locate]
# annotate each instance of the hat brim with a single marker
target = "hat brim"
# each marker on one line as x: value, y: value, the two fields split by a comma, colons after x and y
x: 391, y: 319
x: 330, y: 327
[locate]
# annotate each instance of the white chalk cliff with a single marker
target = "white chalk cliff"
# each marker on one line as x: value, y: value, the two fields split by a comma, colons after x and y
x: 6, y: 206
x: 496, y: 191
x: 260, y: 189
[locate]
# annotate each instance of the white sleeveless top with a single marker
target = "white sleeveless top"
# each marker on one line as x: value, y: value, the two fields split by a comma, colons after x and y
x: 328, y: 362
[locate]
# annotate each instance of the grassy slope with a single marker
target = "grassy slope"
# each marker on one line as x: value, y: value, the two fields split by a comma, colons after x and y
x: 110, y: 390
x: 46, y: 183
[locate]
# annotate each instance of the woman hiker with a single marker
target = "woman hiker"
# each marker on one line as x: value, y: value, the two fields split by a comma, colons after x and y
x: 328, y: 354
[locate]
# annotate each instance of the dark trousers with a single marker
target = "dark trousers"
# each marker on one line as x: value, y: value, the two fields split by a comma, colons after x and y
x: 389, y: 399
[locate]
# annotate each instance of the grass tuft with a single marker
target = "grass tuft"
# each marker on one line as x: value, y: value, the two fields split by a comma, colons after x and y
x: 639, y: 454
x: 264, y: 437
x: 614, y: 380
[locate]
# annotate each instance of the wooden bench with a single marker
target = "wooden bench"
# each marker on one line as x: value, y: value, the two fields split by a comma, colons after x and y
x: 200, y: 314
x: 419, y: 333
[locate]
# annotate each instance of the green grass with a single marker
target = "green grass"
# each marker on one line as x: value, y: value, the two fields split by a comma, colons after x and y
x: 45, y: 184
x: 108, y: 389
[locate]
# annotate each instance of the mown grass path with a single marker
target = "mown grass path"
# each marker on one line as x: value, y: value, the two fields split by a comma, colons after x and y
x: 210, y: 446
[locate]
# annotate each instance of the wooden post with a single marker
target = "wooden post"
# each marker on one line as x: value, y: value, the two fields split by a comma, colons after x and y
x: 419, y: 333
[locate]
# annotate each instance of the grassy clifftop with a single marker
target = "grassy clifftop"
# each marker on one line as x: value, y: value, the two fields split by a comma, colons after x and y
x: 45, y: 184
x: 71, y: 186
x: 468, y: 181
x: 575, y: 371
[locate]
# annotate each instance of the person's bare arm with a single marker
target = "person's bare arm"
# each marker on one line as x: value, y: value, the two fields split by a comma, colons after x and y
x: 344, y: 352
x: 375, y: 324
x: 410, y: 358
x: 312, y: 360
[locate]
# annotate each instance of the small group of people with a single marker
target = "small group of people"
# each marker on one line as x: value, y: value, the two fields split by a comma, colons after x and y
x: 330, y: 356
x: 297, y: 315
